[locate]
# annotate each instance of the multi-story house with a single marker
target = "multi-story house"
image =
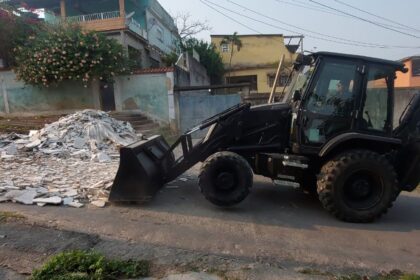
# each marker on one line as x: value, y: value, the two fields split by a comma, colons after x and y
x: 257, y: 60
x: 412, y: 77
x: 143, y: 27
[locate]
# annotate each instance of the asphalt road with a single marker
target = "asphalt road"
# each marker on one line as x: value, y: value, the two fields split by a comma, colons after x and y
x: 274, y: 225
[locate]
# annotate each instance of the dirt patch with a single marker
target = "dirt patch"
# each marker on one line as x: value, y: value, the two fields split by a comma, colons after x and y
x: 24, y: 124
x: 10, y: 216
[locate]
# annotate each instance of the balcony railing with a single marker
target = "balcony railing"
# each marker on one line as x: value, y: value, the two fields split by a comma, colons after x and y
x: 97, y: 16
x: 134, y: 26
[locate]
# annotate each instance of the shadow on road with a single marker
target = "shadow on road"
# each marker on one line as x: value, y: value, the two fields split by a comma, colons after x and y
x: 281, y: 206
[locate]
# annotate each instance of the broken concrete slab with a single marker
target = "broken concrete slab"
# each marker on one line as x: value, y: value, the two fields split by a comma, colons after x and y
x: 49, y: 200
x: 98, y: 203
x: 75, y: 204
x: 11, y: 149
x: 27, y: 197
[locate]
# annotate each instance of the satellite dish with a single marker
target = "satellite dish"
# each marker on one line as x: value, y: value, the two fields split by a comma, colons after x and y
x: 130, y: 15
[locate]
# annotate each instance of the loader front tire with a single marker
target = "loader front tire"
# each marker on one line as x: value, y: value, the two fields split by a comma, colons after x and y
x: 358, y: 186
x: 225, y: 179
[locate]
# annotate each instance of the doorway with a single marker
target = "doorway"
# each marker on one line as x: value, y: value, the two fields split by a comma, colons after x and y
x: 107, y: 96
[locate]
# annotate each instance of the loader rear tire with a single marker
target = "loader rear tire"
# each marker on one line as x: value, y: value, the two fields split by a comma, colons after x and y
x: 225, y: 179
x: 358, y: 186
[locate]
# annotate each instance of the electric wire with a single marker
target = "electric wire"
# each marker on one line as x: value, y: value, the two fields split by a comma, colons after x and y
x: 304, y: 29
x: 207, y: 2
x: 377, y: 16
x: 366, y: 20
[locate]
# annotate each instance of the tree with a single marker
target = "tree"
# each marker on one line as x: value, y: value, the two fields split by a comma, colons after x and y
x: 15, y: 27
x: 187, y: 27
x: 66, y: 52
x: 232, y: 41
x: 209, y: 57
x: 170, y: 59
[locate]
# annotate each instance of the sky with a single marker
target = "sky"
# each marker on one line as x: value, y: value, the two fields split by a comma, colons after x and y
x: 328, y: 25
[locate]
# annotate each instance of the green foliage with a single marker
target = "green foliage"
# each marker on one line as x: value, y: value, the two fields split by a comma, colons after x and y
x: 233, y: 41
x: 80, y: 265
x: 10, y: 216
x: 14, y: 30
x: 170, y: 59
x: 66, y: 52
x: 209, y: 57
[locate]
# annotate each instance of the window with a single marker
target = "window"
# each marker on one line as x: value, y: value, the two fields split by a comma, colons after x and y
x: 224, y: 47
x: 282, y: 82
x: 333, y: 91
x: 375, y: 107
x: 415, y: 65
x: 159, y: 33
x: 331, y: 102
x: 244, y: 79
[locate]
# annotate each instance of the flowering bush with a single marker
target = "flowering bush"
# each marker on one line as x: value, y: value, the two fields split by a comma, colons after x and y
x: 66, y: 52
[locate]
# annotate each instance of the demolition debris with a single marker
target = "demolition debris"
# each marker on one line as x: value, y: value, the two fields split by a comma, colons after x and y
x: 86, y: 134
x: 70, y: 162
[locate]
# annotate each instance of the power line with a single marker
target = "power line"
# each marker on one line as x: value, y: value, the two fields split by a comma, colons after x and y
x: 377, y: 16
x: 365, y: 20
x: 321, y: 9
x: 244, y: 25
x: 307, y: 35
x: 307, y: 30
x: 312, y: 7
x: 289, y: 30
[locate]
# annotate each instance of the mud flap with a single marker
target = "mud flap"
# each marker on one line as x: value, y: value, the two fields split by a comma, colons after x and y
x: 142, y: 170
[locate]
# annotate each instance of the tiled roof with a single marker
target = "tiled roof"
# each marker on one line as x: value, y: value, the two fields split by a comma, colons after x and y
x: 154, y: 70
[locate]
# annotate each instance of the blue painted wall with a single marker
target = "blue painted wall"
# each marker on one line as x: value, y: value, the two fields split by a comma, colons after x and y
x: 29, y: 99
x: 195, y: 107
x: 146, y: 93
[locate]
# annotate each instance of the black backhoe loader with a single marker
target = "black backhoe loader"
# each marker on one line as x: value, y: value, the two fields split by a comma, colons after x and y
x: 334, y: 133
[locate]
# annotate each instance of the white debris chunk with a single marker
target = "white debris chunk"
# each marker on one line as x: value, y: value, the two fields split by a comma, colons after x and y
x: 67, y: 200
x: 49, y: 200
x: 75, y: 204
x: 27, y: 197
x: 11, y: 150
x: 99, y: 203
x: 101, y: 157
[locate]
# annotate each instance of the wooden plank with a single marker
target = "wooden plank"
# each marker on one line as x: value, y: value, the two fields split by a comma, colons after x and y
x: 273, y: 90
x: 104, y: 24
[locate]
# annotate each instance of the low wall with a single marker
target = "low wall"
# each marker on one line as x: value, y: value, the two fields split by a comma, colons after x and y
x: 16, y: 98
x: 149, y: 94
x: 196, y: 106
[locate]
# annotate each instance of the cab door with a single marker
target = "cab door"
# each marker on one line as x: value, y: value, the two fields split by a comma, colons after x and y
x: 330, y: 104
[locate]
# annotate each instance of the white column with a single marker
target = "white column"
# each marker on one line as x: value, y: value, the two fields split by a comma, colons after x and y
x: 5, y: 95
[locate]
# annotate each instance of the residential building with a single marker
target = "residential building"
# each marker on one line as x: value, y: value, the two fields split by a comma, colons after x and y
x: 143, y: 27
x: 257, y: 60
x: 412, y: 77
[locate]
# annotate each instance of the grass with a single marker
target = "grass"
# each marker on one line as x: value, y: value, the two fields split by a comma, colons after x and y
x: 10, y: 216
x: 89, y: 265
x: 393, y: 275
x: 310, y: 271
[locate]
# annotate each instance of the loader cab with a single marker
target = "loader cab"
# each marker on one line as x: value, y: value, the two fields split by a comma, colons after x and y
x: 337, y: 95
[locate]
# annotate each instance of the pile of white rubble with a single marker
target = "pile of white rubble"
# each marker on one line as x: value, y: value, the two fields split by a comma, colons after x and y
x: 70, y: 162
x: 85, y: 134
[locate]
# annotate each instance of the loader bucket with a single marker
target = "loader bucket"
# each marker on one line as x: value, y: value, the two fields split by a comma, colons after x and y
x: 142, y: 170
